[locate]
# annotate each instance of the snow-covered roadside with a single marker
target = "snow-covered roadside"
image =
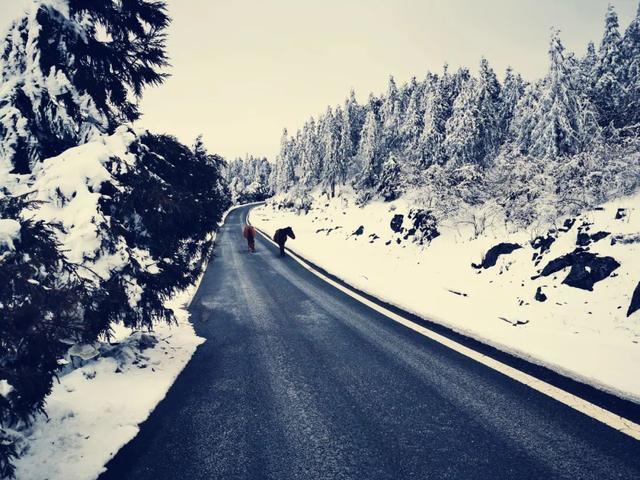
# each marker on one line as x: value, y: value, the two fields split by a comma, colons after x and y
x: 582, y: 334
x: 96, y: 409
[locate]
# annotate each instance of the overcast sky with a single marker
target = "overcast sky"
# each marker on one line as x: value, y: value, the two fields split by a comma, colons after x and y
x: 243, y: 70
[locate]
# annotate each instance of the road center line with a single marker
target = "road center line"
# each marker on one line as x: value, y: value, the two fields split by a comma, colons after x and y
x: 596, y: 412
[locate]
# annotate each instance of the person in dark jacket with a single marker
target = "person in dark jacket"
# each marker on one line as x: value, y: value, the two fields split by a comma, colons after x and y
x: 280, y: 237
x: 249, y: 232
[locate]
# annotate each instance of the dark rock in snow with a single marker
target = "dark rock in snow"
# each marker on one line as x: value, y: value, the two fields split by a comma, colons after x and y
x: 626, y: 239
x: 491, y: 257
x: 635, y: 301
x: 396, y: 222
x: 359, y: 231
x: 587, y: 268
x: 585, y: 239
x: 410, y: 232
x: 621, y: 213
x: 540, y: 296
x: 543, y: 243
x: 567, y: 225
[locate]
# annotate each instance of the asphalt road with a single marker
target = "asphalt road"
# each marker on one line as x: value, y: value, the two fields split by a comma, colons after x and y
x: 299, y: 381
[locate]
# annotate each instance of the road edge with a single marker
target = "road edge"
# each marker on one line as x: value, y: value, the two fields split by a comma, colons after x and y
x: 618, y: 413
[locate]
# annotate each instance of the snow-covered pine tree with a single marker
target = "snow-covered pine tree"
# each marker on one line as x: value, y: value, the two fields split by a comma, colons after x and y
x: 413, y: 125
x: 556, y: 118
x: 333, y: 172
x: 346, y: 147
x: 285, y: 166
x: 369, y: 156
x: 512, y: 91
x: 438, y: 107
x: 41, y: 302
x: 631, y: 72
x: 473, y: 133
x: 588, y: 67
x: 390, y: 116
x: 356, y: 118
x: 389, y: 185
x: 608, y: 91
x: 310, y: 157
x: 72, y: 69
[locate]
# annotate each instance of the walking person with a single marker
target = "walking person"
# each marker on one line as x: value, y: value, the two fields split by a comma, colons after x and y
x: 280, y: 237
x: 249, y: 232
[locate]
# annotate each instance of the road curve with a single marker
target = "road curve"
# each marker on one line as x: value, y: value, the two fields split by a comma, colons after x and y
x: 299, y: 381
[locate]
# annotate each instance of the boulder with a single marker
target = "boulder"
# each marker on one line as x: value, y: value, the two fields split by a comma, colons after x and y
x: 396, y: 222
x: 621, y: 213
x: 585, y: 239
x: 626, y: 239
x: 587, y: 268
x: 543, y: 243
x: 567, y: 225
x: 540, y: 296
x: 635, y: 301
x: 491, y: 257
x: 359, y: 231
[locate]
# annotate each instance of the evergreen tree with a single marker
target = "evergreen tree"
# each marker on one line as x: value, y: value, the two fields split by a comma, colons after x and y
x: 310, y: 156
x: 512, y: 91
x: 413, y: 125
x: 390, y: 117
x: 333, y: 167
x: 346, y: 148
x: 438, y: 107
x: 588, y: 68
x: 370, y: 154
x: 473, y: 133
x: 608, y: 90
x: 556, y: 117
x: 285, y: 171
x: 389, y: 185
x: 631, y: 71
x: 73, y: 69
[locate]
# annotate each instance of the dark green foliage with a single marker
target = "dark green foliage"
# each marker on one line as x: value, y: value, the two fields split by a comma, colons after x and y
x: 167, y: 204
x: 171, y: 201
x: 40, y: 305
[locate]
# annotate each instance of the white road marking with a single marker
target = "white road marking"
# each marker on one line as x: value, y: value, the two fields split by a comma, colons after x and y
x: 596, y: 412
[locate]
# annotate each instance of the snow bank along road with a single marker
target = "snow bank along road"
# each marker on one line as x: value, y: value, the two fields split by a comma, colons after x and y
x: 299, y: 380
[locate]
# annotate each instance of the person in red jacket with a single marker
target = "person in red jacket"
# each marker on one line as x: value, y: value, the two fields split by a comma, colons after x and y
x: 249, y: 232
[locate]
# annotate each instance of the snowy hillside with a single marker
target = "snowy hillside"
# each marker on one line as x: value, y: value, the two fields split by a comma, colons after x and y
x: 504, y: 208
x: 552, y: 319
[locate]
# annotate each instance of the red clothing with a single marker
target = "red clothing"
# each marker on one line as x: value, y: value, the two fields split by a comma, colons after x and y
x: 249, y: 232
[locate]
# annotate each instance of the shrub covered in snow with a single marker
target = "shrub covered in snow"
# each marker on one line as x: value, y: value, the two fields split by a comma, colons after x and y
x: 103, y: 233
x: 41, y: 306
x: 98, y: 223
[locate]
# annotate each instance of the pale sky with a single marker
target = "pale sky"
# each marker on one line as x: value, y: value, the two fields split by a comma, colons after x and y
x: 244, y: 69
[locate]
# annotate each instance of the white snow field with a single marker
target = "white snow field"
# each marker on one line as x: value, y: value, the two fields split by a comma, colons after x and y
x: 96, y: 409
x: 583, y: 334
